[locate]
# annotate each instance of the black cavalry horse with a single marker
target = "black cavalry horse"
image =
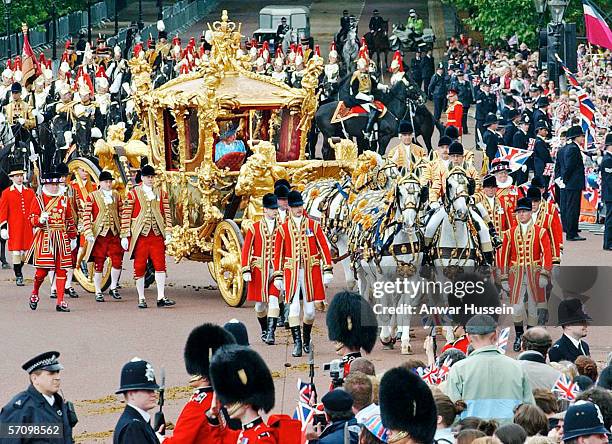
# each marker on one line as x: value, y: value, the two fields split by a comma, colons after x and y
x: 404, y: 102
x: 379, y: 46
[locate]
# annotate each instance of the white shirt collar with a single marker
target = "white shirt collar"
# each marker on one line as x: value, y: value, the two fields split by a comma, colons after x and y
x: 270, y: 223
x: 144, y: 414
x: 18, y: 187
x: 49, y: 398
x: 297, y: 220
x: 491, y: 200
x: 525, y: 227
x: 576, y: 342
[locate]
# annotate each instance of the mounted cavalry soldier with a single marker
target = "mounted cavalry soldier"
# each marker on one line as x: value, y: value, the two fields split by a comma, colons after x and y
x: 15, y: 205
x: 526, y: 264
x: 302, y: 265
x: 85, y: 114
x: 145, y: 232
x: 406, y: 154
x: 397, y: 68
x: 19, y: 115
x: 62, y: 118
x: 101, y: 227
x: 258, y: 268
x: 55, y: 237
x: 42, y: 403
x: 192, y: 425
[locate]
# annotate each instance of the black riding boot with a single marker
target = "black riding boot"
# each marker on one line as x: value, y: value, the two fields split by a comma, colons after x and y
x: 296, y: 333
x: 18, y: 274
x: 372, y: 115
x: 307, y: 330
x: 263, y: 323
x: 269, y: 339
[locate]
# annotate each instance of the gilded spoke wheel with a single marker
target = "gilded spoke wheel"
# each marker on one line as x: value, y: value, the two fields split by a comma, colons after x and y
x: 211, y: 270
x: 84, y: 271
x: 227, y: 267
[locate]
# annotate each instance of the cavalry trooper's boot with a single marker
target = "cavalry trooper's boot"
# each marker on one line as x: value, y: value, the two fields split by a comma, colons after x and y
x: 296, y: 333
x: 307, y: 330
x: 270, y: 339
x: 372, y: 115
x: 263, y: 324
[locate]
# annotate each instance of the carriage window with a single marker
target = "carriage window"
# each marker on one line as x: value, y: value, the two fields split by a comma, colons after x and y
x: 265, y: 21
x: 298, y: 21
x: 171, y: 142
x: 192, y: 133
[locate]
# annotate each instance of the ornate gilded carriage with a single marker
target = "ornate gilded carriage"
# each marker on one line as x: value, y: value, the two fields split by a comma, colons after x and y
x: 181, y: 122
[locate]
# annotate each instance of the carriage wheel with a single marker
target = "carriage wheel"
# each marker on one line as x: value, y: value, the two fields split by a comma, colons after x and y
x: 84, y: 271
x: 211, y: 270
x: 227, y: 251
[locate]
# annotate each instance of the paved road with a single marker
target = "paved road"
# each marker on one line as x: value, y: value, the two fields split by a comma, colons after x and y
x: 96, y: 339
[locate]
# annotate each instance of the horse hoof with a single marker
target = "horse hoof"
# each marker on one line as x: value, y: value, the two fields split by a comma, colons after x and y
x: 406, y: 349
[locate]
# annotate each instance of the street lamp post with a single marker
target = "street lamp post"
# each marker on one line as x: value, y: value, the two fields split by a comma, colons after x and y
x: 140, y: 22
x: 54, y: 30
x: 160, y: 10
x: 7, y: 18
x: 557, y: 9
x: 116, y: 20
x: 540, y: 7
x: 89, y: 21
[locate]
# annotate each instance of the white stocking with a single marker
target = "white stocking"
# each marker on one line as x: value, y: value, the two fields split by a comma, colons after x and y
x: 69, y: 274
x: 115, y: 275
x: 98, y: 282
x: 160, y: 280
x: 140, y: 288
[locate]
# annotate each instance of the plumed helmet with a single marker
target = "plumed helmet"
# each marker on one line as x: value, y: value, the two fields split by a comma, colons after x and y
x: 351, y: 321
x: 407, y: 405
x: 240, y: 375
x: 202, y: 343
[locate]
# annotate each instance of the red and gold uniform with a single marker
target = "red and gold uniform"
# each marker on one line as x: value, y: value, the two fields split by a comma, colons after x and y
x: 508, y: 194
x: 15, y: 205
x: 146, y: 220
x: 439, y: 173
x: 301, y: 245
x: 526, y: 255
x: 52, y: 240
x: 258, y: 259
x: 494, y: 211
x: 192, y: 425
x: 461, y: 343
x: 547, y: 217
x: 256, y: 431
x: 82, y: 190
x: 454, y: 113
x: 102, y: 221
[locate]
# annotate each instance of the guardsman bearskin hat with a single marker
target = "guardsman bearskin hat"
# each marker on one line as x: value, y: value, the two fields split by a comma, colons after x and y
x: 407, y: 405
x: 351, y: 321
x: 202, y: 343
x: 240, y: 375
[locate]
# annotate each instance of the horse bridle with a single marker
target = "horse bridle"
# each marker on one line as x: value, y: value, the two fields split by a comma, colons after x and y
x: 407, y: 101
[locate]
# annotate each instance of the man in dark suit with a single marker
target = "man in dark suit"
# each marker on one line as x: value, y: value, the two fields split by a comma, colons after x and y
x: 574, y: 322
x: 606, y: 190
x: 572, y: 182
x: 415, y: 68
x: 512, y: 126
x: 541, y: 111
x: 541, y: 152
x: 138, y: 385
x: 465, y: 95
x: 485, y: 103
x: 427, y: 69
x: 437, y: 92
x: 491, y: 137
x: 41, y: 404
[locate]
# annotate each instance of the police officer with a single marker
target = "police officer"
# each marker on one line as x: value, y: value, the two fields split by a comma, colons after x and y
x: 41, y: 403
x: 541, y: 152
x: 485, y: 103
x: 437, y: 91
x: 138, y: 386
x: 606, y: 190
x: 376, y: 22
x: 572, y: 182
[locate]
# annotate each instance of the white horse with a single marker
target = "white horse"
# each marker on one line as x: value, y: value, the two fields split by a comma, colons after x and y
x: 387, y: 241
x: 456, y: 236
x: 350, y: 50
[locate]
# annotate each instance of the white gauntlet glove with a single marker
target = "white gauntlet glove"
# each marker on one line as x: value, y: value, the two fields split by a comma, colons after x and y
x: 506, y: 286
x: 125, y: 243
x: 327, y: 277
x: 4, y: 234
x: 278, y: 283
x: 543, y: 282
x: 246, y: 276
x: 168, y: 239
x: 73, y: 244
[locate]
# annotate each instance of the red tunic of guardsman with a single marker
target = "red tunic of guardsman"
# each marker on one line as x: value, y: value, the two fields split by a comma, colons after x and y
x: 56, y: 233
x: 547, y: 218
x: 526, y: 265
x: 454, y: 112
x: 15, y: 225
x: 303, y: 261
x: 507, y: 192
x: 145, y: 230
x: 258, y: 268
x: 101, y: 229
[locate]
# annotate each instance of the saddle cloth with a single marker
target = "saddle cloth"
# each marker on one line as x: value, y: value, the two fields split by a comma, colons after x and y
x: 344, y: 113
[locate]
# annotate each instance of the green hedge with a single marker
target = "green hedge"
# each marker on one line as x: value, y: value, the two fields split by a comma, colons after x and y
x: 35, y: 12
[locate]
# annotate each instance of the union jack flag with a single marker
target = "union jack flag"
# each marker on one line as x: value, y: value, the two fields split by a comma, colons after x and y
x: 549, y: 169
x: 304, y: 413
x: 429, y: 375
x: 306, y: 392
x: 502, y: 340
x: 531, y: 144
x: 515, y: 156
x: 565, y: 388
x: 444, y: 369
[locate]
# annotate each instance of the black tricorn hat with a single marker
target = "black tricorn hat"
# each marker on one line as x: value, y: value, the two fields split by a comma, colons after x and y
x: 456, y: 148
x: 489, y: 181
x: 240, y: 375
x: 202, y: 343
x: 452, y: 132
x: 270, y: 201
x: 405, y: 127
x: 295, y: 199
x: 570, y: 312
x: 351, y: 321
x: 407, y: 405
x: 281, y: 191
x: 147, y: 170
x: 45, y: 361
x: 105, y: 175
x: 137, y: 375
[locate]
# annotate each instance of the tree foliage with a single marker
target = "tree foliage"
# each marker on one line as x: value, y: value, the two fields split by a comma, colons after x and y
x: 33, y: 12
x: 498, y: 20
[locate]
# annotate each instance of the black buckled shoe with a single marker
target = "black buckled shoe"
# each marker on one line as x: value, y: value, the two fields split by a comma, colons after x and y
x: 99, y: 297
x: 6, y: 266
x: 19, y: 281
x: 165, y: 302
x: 34, y: 302
x: 72, y: 293
x: 114, y: 294
x: 62, y: 308
x: 142, y: 304
x: 53, y: 294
